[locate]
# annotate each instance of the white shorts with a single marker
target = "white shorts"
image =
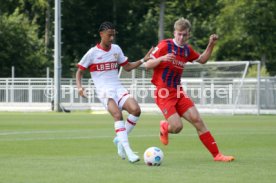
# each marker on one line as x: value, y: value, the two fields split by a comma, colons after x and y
x: 119, y: 94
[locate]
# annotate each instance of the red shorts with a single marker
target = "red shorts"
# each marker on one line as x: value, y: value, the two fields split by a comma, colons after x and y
x: 171, y: 101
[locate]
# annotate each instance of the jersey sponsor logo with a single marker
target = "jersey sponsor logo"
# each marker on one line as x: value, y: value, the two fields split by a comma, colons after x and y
x: 104, y: 66
x: 178, y: 63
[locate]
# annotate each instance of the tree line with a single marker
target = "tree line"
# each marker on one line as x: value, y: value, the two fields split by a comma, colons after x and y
x: 246, y: 29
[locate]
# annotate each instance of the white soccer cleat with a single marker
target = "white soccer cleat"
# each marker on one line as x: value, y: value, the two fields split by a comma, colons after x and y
x: 120, y: 148
x: 132, y: 158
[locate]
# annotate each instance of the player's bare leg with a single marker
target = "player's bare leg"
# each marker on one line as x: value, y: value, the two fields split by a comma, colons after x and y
x: 121, y: 132
x: 175, y: 123
x: 172, y: 125
x: 194, y: 118
x: 132, y: 107
x: 117, y: 116
x: 192, y: 115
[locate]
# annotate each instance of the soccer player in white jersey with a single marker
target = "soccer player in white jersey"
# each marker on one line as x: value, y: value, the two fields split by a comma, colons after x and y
x: 102, y: 61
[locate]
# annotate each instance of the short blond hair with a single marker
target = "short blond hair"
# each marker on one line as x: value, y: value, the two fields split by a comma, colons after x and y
x: 182, y: 24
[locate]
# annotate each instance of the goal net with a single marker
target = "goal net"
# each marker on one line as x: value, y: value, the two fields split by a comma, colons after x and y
x: 215, y: 87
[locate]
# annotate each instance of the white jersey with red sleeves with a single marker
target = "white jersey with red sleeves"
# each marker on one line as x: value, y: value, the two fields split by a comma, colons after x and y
x: 103, y: 65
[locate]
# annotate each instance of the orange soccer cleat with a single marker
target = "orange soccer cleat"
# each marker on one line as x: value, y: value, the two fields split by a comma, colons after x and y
x: 223, y: 158
x: 164, y: 134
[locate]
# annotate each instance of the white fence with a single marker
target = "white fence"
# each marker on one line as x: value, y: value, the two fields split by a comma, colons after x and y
x: 211, y: 95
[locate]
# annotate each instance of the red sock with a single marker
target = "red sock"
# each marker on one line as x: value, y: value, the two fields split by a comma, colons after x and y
x: 209, y: 142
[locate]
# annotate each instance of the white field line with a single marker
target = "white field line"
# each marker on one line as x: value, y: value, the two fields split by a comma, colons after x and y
x: 7, y: 133
x: 11, y: 135
x: 70, y: 138
x: 30, y: 132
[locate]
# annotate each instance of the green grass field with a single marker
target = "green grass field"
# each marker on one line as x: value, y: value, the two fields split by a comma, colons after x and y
x: 78, y: 148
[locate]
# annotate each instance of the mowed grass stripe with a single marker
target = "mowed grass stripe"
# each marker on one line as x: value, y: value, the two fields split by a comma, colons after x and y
x: 77, y: 147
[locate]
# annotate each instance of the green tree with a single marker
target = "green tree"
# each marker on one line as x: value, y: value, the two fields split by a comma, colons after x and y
x: 200, y: 13
x: 138, y: 27
x: 34, y: 10
x: 21, y: 47
x: 79, y: 30
x: 247, y: 29
x: 81, y: 20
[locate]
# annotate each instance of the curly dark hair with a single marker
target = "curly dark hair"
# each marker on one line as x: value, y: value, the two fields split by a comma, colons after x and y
x: 105, y: 26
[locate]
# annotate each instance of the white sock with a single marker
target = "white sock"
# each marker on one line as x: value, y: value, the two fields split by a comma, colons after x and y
x: 122, y: 135
x: 131, y: 122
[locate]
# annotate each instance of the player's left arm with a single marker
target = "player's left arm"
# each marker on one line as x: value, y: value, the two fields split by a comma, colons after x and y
x: 203, y: 58
x: 132, y: 65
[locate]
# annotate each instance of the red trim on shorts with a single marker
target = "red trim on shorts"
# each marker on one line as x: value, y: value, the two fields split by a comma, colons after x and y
x: 120, y: 130
x: 122, y: 98
x: 131, y: 122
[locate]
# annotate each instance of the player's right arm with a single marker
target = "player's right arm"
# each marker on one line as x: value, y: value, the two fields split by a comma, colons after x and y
x: 79, y: 76
x: 158, y: 55
x: 132, y: 65
x: 82, y: 66
x: 154, y: 62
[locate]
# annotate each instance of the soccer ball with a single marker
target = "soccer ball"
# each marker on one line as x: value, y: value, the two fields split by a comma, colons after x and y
x: 153, y: 156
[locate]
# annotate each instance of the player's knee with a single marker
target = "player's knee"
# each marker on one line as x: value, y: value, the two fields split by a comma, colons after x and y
x: 176, y: 128
x: 136, y: 111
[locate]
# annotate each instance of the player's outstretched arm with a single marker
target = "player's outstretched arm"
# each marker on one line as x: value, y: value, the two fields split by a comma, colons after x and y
x: 79, y: 76
x: 203, y: 58
x: 133, y: 65
x: 152, y: 63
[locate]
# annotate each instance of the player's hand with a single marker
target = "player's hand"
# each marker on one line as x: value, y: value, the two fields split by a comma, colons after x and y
x: 169, y: 57
x: 213, y: 38
x: 82, y: 92
x: 147, y: 56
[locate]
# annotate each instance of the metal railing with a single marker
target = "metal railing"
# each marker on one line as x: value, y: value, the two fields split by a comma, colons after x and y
x: 208, y: 93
